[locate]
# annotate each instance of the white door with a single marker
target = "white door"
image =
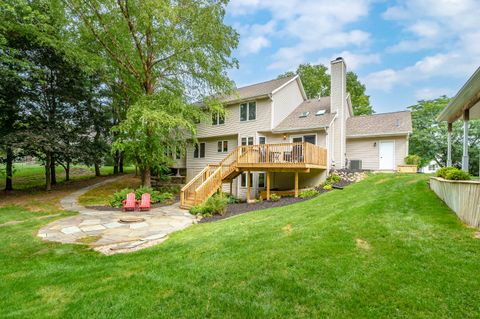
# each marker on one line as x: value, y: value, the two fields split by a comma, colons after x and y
x: 387, y: 155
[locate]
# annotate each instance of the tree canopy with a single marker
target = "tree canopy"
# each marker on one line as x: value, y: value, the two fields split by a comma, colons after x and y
x: 316, y: 82
x: 429, y: 138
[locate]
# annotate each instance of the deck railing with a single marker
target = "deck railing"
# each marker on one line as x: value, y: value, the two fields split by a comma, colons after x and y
x: 285, y: 155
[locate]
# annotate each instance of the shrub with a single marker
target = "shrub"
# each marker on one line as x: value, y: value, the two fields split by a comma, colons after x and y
x: 174, y: 189
x: 308, y: 193
x: 117, y: 198
x: 274, y: 197
x: 214, y: 205
x: 155, y: 196
x: 327, y: 187
x: 333, y: 178
x: 457, y: 174
x: 413, y: 160
x: 231, y: 199
x: 442, y: 172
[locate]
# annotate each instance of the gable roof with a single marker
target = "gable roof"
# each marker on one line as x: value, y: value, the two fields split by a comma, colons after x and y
x: 394, y: 123
x: 263, y: 89
x: 295, y: 122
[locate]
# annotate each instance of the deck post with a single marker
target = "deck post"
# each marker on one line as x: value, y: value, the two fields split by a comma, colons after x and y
x: 449, y: 145
x: 248, y: 186
x: 268, y: 185
x: 296, y: 184
x: 466, y: 118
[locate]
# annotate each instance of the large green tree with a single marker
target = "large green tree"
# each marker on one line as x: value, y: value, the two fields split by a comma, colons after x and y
x: 161, y: 46
x: 429, y: 138
x: 316, y: 82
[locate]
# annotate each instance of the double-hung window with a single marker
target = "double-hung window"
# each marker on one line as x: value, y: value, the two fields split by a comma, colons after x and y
x: 218, y: 119
x: 222, y: 147
x: 247, y: 140
x: 199, y: 151
x: 248, y: 111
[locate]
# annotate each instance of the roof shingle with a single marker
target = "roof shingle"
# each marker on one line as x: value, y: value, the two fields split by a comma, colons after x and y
x: 294, y: 121
x: 380, y: 124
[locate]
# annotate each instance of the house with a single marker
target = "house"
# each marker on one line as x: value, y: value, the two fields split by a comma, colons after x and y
x: 273, y: 137
x: 430, y: 168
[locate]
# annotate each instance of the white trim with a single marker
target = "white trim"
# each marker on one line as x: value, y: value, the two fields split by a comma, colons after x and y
x: 394, y: 155
x: 284, y: 84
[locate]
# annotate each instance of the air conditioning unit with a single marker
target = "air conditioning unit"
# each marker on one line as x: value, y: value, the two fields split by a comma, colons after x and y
x: 355, y: 164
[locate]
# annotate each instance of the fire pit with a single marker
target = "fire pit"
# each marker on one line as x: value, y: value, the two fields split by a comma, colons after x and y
x: 131, y: 219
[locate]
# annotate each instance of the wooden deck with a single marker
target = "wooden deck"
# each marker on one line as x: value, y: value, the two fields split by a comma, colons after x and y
x: 287, y: 157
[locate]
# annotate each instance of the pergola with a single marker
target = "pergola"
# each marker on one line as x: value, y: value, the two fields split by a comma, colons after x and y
x: 465, y: 105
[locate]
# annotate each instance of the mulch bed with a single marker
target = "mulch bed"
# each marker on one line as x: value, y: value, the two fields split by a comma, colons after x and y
x: 240, y: 208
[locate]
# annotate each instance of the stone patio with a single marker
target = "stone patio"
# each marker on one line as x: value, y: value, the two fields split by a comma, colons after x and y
x: 107, y: 233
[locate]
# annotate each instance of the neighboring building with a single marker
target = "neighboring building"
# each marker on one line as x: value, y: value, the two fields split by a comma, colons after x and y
x: 278, y: 112
x: 430, y: 168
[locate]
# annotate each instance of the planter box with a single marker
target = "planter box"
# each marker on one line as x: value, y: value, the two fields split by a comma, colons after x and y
x: 463, y: 197
x: 407, y: 168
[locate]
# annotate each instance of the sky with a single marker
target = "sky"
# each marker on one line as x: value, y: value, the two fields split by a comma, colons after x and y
x: 403, y: 51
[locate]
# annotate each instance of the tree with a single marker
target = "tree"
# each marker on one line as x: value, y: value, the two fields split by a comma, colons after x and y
x: 429, y: 138
x: 316, y: 82
x: 157, y: 45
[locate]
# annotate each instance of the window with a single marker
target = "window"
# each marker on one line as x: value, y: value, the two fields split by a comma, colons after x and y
x: 320, y: 112
x: 247, y: 140
x: 248, y: 111
x: 199, y: 151
x: 243, y: 182
x: 218, y: 119
x: 262, y: 140
x: 304, y: 114
x: 306, y: 138
x: 261, y: 180
x: 222, y: 146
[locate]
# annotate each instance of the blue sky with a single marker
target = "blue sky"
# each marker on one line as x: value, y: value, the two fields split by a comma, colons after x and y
x: 403, y: 51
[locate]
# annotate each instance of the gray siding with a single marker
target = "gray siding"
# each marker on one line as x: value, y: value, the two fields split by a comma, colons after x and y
x: 285, y: 101
x: 364, y: 149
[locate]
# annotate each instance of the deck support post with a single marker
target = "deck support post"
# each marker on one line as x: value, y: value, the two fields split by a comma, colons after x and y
x: 449, y: 145
x: 296, y: 184
x: 466, y: 118
x: 248, y: 186
x: 268, y: 185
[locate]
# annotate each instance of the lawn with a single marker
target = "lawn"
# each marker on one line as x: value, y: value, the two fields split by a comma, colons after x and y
x: 385, y: 247
x: 100, y: 196
x: 33, y: 175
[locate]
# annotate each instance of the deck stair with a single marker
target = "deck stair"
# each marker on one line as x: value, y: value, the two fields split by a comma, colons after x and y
x: 264, y: 157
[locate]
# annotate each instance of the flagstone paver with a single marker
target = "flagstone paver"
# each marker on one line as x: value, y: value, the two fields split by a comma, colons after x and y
x: 114, y: 236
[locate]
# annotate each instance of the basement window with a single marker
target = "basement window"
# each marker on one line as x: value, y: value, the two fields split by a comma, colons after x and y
x: 304, y: 114
x: 320, y: 112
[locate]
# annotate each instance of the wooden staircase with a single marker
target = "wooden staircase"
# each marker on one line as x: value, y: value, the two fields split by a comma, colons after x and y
x: 264, y: 157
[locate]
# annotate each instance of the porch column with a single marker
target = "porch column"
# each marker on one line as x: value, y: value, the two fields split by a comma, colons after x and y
x: 449, y: 145
x: 268, y: 185
x: 248, y: 186
x: 296, y: 184
x: 466, y: 117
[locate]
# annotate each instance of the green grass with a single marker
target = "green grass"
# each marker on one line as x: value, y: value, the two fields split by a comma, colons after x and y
x: 33, y: 175
x: 383, y: 248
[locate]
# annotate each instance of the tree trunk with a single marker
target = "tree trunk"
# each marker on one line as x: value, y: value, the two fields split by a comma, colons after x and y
x: 67, y: 172
x: 97, y: 169
x: 9, y: 170
x: 48, y: 168
x: 146, y: 177
x: 120, y: 163
x: 53, y: 173
x: 115, y: 162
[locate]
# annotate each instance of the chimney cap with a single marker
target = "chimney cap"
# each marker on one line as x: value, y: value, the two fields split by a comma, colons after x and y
x: 339, y: 58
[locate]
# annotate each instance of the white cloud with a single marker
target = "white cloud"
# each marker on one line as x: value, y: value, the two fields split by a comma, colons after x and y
x: 309, y: 25
x: 429, y: 93
x: 355, y: 61
x: 449, y: 27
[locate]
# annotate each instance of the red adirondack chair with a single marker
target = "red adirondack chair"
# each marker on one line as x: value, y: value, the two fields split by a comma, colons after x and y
x: 130, y: 203
x: 144, y: 203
